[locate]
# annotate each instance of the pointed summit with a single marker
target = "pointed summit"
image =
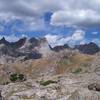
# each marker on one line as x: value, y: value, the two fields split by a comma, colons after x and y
x: 3, y: 41
x: 3, y: 38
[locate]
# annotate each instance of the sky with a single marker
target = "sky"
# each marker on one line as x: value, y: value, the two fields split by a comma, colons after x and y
x: 60, y: 21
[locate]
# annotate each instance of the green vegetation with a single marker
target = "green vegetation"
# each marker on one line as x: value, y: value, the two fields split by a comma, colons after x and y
x: 21, y: 77
x: 45, y: 83
x: 13, y: 77
x: 17, y: 77
x: 77, y: 71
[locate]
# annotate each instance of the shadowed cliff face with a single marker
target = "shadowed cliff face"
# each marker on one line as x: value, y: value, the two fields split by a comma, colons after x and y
x: 24, y: 47
x: 90, y: 48
x: 61, y: 47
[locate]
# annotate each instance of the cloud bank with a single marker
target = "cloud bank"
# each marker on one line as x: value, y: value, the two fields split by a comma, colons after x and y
x: 77, y: 36
x: 69, y: 13
x: 65, y: 12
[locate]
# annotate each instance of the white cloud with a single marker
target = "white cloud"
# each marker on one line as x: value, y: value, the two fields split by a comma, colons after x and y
x: 94, y: 33
x: 65, y: 12
x: 83, y: 42
x: 75, y: 17
x: 27, y: 9
x: 1, y: 28
x: 97, y: 41
x: 77, y: 36
x: 53, y: 39
x: 12, y: 37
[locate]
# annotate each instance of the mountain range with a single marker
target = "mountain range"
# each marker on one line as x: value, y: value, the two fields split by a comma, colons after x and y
x: 32, y: 46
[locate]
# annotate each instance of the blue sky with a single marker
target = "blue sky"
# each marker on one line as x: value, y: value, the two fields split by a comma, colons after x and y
x: 60, y: 21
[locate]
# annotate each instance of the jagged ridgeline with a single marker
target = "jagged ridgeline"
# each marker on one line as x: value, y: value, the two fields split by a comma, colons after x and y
x: 38, y: 47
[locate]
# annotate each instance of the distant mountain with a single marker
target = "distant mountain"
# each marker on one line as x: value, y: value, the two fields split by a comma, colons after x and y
x: 34, y: 48
x: 61, y: 47
x: 15, y: 45
x: 18, y: 44
x: 11, y: 49
x: 3, y: 41
x: 8, y: 49
x: 90, y: 48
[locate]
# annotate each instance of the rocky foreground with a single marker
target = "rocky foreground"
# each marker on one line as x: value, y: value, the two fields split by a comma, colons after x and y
x: 77, y: 85
x: 61, y: 87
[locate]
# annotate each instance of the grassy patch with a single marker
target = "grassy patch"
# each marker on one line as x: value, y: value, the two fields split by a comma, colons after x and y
x: 17, y: 77
x: 45, y: 83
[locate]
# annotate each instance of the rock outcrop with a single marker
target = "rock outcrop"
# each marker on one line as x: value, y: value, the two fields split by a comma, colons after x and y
x: 26, y: 48
x: 90, y: 48
x: 66, y: 87
x: 61, y: 47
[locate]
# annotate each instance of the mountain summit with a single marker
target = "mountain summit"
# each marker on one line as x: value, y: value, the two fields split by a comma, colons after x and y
x: 3, y: 41
x: 90, y: 48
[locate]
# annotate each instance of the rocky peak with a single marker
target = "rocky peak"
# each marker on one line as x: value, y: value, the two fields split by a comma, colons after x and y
x: 33, y: 40
x: 43, y: 40
x: 90, y: 48
x: 44, y: 47
x: 66, y: 46
x: 3, y: 41
x: 18, y: 43
x: 29, y: 45
x: 60, y: 47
